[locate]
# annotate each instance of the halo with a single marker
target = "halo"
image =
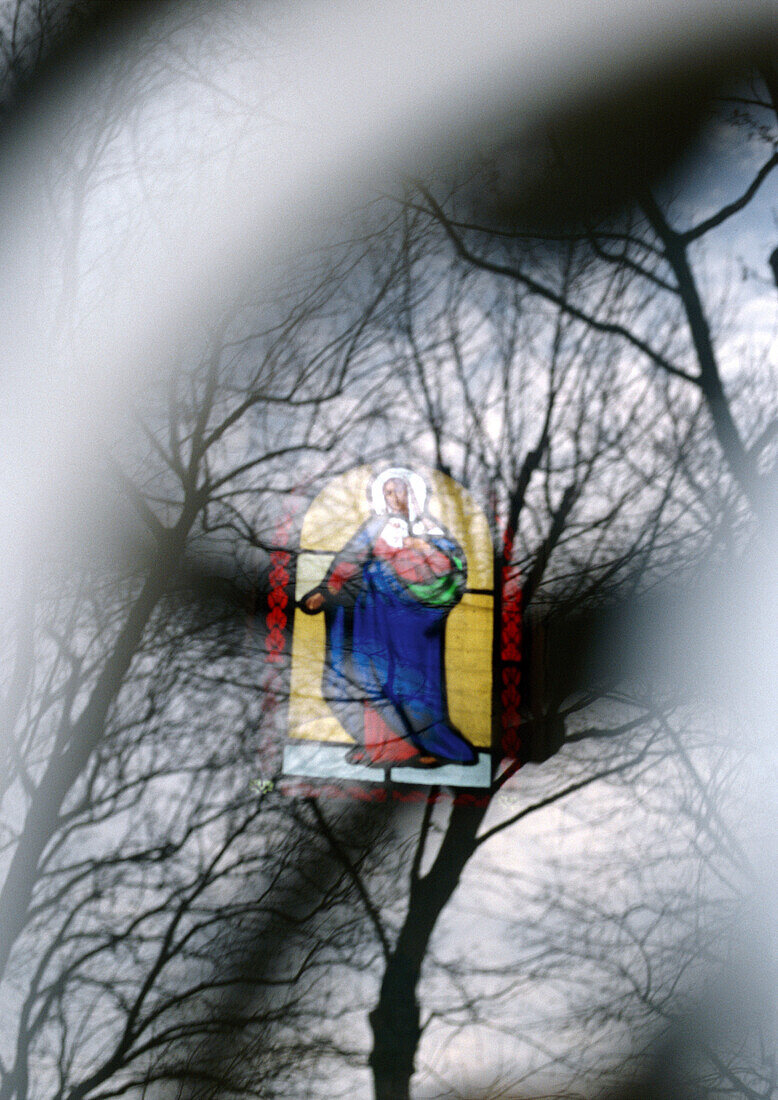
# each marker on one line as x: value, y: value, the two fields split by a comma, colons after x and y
x: 416, y: 482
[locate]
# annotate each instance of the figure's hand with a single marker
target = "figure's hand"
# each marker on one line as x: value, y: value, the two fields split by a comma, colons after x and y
x: 415, y: 544
x: 315, y: 602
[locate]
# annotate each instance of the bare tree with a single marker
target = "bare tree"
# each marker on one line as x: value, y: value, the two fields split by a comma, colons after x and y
x: 579, y: 458
x: 620, y: 486
x: 662, y: 256
x: 141, y: 867
x: 136, y: 717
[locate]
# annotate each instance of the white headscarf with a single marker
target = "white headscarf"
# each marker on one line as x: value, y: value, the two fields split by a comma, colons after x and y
x: 417, y: 491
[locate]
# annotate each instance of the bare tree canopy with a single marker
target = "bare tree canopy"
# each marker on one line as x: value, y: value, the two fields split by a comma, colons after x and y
x: 577, y: 324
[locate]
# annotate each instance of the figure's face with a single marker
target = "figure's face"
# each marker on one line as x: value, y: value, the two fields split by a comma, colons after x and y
x: 396, y: 496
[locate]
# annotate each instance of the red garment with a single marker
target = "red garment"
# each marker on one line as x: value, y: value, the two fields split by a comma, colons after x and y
x: 411, y: 565
x: 340, y: 575
x: 382, y: 743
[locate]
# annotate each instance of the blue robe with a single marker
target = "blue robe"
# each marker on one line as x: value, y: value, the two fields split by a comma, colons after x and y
x: 385, y: 644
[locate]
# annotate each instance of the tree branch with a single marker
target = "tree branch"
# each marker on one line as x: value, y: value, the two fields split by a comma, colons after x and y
x: 551, y: 799
x: 731, y: 208
x: 609, y: 327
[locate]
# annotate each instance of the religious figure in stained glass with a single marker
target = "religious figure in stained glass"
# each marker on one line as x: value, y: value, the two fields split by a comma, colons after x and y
x: 386, y: 598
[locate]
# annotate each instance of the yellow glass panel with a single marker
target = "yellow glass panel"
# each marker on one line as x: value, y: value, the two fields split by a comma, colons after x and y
x: 336, y: 513
x: 469, y: 667
x: 309, y: 716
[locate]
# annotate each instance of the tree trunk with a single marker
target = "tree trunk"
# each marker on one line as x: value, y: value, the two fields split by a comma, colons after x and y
x: 395, y: 1019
